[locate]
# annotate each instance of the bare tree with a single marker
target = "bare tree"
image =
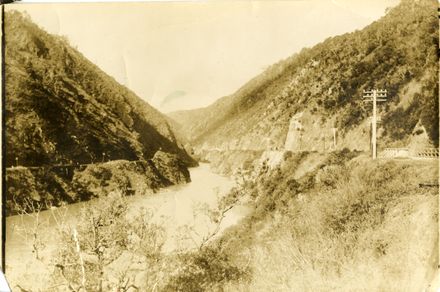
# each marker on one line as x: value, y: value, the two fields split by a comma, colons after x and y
x: 215, y: 217
x: 30, y: 225
x: 89, y: 254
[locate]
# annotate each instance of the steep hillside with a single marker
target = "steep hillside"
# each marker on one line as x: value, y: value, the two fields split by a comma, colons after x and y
x: 336, y: 221
x: 347, y: 224
x: 304, y: 96
x: 60, y: 107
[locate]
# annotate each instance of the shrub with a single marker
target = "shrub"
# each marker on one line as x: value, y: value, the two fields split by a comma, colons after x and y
x: 208, y: 269
x: 89, y: 255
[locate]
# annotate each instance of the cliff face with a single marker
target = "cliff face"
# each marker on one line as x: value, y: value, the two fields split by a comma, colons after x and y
x: 313, y: 99
x: 60, y: 107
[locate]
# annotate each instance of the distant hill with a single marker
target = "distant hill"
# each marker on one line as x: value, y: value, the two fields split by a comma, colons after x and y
x: 296, y: 102
x: 60, y: 107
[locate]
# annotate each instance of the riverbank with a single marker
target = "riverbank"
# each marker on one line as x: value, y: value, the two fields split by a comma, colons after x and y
x: 176, y: 209
x: 31, y: 189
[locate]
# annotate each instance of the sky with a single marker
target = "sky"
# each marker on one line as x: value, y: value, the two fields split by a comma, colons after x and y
x: 183, y: 55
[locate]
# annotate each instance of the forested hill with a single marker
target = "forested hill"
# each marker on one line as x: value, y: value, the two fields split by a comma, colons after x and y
x: 60, y: 107
x: 321, y: 88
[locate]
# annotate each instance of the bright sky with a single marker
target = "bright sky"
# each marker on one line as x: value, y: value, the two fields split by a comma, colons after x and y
x: 181, y: 55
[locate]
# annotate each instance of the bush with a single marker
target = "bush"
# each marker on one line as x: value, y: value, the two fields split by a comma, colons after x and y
x: 101, y: 252
x: 208, y: 269
x: 349, y: 225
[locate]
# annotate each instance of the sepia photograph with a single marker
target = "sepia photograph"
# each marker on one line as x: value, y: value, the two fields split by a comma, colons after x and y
x: 221, y: 146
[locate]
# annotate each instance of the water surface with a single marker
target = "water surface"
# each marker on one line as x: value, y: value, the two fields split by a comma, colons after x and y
x: 173, y: 207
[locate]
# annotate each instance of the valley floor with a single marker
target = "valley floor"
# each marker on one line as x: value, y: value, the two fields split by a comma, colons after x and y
x: 313, y: 222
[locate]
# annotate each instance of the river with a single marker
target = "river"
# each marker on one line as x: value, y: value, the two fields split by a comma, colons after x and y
x: 173, y: 207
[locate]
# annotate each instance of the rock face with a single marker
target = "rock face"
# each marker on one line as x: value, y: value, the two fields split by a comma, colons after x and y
x: 40, y: 188
x: 272, y: 158
x: 296, y: 103
x: 419, y: 139
x: 171, y: 168
x: 309, y: 133
x: 231, y: 161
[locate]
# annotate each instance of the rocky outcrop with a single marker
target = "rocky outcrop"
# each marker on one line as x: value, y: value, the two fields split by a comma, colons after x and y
x: 29, y: 190
x: 32, y: 189
x: 313, y: 132
x: 419, y: 139
x: 171, y: 168
x: 272, y: 158
x: 230, y: 162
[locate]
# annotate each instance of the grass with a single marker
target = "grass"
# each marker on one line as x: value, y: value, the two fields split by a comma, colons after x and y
x: 348, y: 225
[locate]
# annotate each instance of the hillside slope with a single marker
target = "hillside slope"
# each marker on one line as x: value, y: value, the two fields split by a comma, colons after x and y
x: 295, y: 103
x: 60, y: 107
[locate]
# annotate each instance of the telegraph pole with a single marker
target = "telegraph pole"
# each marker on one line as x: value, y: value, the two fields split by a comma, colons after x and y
x: 375, y: 95
x: 334, y: 138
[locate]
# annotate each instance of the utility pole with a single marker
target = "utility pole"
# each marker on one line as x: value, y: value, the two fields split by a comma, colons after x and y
x: 334, y: 138
x: 375, y: 95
